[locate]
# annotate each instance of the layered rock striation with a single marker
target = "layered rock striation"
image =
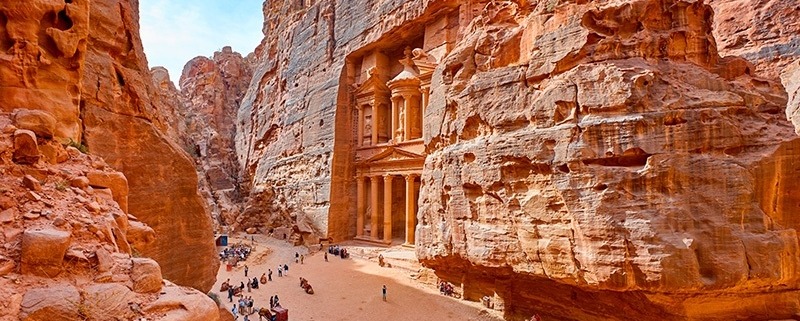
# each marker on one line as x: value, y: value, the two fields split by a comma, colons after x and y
x: 601, y: 161
x: 205, y: 119
x: 763, y: 32
x: 70, y: 249
x: 80, y: 64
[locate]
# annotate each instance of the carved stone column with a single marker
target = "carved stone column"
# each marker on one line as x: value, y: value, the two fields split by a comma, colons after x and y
x: 411, y: 209
x: 373, y: 233
x: 387, y: 208
x: 375, y: 123
x: 395, y: 112
x: 360, y: 206
x: 360, y: 126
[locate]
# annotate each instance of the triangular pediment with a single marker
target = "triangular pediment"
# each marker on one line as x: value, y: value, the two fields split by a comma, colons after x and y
x: 371, y: 85
x: 392, y: 154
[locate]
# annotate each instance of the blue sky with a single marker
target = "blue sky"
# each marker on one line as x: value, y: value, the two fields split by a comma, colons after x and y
x: 175, y: 31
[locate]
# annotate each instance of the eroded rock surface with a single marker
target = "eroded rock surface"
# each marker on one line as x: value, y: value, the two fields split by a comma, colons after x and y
x: 205, y: 119
x: 766, y: 33
x: 68, y: 71
x: 609, y: 160
x: 69, y: 249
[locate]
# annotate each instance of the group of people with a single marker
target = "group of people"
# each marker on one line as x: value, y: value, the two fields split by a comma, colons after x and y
x: 245, y: 306
x: 336, y: 250
x: 235, y: 253
x: 446, y: 288
x: 283, y: 270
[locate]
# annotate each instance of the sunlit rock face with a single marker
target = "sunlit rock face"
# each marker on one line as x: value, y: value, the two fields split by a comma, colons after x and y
x: 81, y: 64
x: 70, y: 248
x: 211, y: 91
x: 583, y: 160
x: 763, y: 32
x: 123, y: 121
x: 603, y: 162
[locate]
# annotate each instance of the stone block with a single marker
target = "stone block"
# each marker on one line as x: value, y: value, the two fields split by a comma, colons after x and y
x: 43, y: 251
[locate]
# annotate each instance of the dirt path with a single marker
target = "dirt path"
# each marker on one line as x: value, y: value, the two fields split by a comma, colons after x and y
x: 347, y: 289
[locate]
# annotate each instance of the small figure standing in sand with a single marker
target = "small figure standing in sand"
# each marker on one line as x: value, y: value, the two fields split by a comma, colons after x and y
x: 384, y: 293
x: 301, y: 258
x: 269, y: 275
x: 326, y: 256
x: 245, y: 270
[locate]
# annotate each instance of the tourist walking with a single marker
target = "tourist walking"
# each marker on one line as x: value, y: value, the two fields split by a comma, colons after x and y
x: 301, y: 258
x: 285, y: 270
x: 230, y: 293
x: 269, y: 275
x: 326, y: 256
x: 384, y: 293
x: 245, y: 270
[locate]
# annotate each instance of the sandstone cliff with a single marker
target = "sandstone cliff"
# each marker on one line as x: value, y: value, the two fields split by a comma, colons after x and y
x: 605, y: 157
x: 585, y: 160
x: 82, y: 64
x: 205, y: 122
x: 70, y: 251
x: 763, y: 32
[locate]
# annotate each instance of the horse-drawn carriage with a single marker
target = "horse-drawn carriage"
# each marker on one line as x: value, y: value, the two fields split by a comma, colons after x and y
x: 277, y: 313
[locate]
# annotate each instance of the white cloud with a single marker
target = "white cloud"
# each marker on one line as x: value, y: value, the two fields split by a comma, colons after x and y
x: 175, y: 31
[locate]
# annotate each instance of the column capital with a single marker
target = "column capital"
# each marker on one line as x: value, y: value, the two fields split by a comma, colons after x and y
x: 387, y: 178
x: 410, y: 177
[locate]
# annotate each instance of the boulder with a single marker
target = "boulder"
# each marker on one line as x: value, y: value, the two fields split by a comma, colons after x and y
x: 80, y: 182
x: 115, y: 181
x: 26, y: 150
x: 59, y: 302
x: 31, y: 183
x: 146, y: 275
x: 181, y: 304
x: 105, y: 262
x: 53, y: 153
x: 7, y: 216
x: 6, y: 266
x: 140, y: 236
x: 43, y: 251
x: 37, y: 121
x: 107, y: 302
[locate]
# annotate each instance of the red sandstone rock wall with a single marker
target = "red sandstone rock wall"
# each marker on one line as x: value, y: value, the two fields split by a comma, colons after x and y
x: 70, y: 249
x: 763, y: 32
x: 123, y: 122
x: 289, y: 130
x: 82, y: 63
x: 210, y: 95
x: 586, y: 160
x: 603, y: 162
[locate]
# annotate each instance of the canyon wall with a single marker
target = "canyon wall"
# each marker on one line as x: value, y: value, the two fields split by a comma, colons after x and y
x: 293, y: 138
x: 606, y: 154
x: 763, y: 32
x: 204, y: 121
x: 69, y: 247
x: 81, y: 63
x: 585, y: 160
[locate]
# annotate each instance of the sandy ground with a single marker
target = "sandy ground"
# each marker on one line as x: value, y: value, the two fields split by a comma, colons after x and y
x: 348, y: 289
